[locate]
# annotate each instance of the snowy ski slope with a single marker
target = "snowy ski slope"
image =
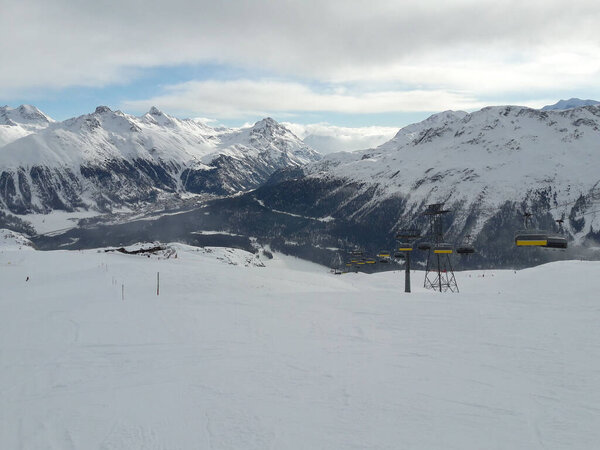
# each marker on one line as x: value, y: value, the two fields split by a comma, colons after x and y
x: 289, y: 356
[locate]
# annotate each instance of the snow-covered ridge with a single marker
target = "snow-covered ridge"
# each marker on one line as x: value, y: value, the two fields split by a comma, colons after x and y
x: 157, y: 250
x: 24, y: 115
x: 106, y: 134
x: 16, y: 123
x: 11, y: 240
x: 570, y: 104
x: 499, y: 150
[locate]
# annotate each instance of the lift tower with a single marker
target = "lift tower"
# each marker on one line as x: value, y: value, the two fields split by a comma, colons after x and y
x: 406, y: 239
x: 438, y: 273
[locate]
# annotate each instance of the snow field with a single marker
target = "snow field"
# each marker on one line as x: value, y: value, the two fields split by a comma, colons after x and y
x: 288, y: 356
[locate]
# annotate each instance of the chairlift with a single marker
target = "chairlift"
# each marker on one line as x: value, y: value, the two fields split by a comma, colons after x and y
x: 399, y: 255
x: 424, y: 246
x: 556, y: 241
x: 356, y: 253
x: 370, y: 261
x: 531, y: 238
x: 466, y: 248
x: 539, y: 238
x: 443, y: 248
x: 383, y: 254
x: 411, y: 233
x: 405, y: 247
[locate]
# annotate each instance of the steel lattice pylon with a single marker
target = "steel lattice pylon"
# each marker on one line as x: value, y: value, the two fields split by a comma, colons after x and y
x: 439, y: 274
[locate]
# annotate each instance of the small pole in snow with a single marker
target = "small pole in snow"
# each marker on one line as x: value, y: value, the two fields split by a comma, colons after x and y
x: 157, y: 283
x: 123, y: 292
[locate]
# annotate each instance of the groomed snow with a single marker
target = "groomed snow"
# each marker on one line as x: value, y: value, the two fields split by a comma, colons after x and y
x: 289, y: 356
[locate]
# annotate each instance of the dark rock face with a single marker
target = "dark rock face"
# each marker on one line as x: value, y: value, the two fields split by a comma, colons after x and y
x: 227, y: 175
x: 54, y: 189
x: 14, y: 223
x: 121, y: 182
x: 9, y: 192
x: 43, y: 189
x: 199, y: 181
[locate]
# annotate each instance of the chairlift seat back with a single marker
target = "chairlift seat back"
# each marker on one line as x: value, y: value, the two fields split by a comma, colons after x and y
x: 531, y: 239
x: 443, y: 249
x: 557, y: 241
x: 405, y: 247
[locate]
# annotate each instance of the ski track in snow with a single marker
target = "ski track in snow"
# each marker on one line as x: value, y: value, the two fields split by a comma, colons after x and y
x: 289, y: 356
x: 319, y: 219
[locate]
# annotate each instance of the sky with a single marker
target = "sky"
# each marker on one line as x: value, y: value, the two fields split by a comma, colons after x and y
x: 339, y: 63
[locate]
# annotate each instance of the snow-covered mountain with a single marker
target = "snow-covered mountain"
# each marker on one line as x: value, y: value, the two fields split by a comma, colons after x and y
x: 110, y: 158
x: 18, y: 122
x: 570, y: 104
x: 495, y: 154
x: 486, y: 166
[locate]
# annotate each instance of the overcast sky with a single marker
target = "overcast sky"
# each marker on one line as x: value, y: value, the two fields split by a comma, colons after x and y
x: 346, y: 63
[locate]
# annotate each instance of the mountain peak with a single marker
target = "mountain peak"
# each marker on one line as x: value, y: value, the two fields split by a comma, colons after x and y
x: 570, y: 104
x: 156, y: 116
x: 28, y: 109
x: 269, y: 126
x: 24, y: 115
x: 266, y: 123
x: 33, y: 113
x: 102, y: 110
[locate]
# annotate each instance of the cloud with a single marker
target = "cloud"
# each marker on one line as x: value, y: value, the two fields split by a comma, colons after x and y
x: 242, y: 98
x: 327, y: 138
x: 476, y: 46
x: 205, y: 121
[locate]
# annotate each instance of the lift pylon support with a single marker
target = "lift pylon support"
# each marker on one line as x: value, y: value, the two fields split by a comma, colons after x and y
x: 439, y: 274
x: 407, y: 238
